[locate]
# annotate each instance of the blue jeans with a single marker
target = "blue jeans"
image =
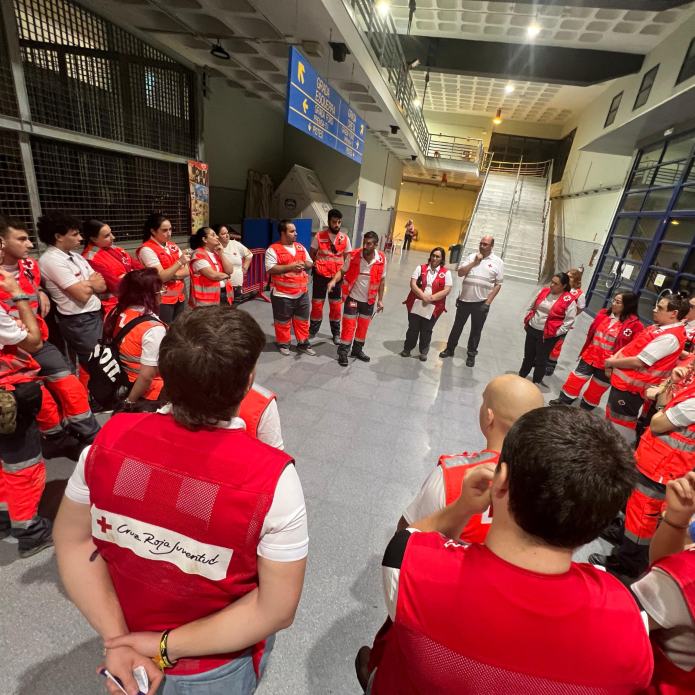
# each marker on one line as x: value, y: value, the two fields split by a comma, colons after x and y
x: 235, y: 678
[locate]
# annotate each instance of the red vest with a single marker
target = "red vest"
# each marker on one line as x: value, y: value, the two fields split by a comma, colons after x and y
x: 29, y: 280
x: 376, y: 272
x: 437, y: 286
x: 204, y: 291
x: 16, y: 365
x: 603, y: 341
x: 294, y: 283
x: 469, y: 623
x: 556, y: 316
x: 177, y: 517
x: 637, y: 380
x: 668, y: 678
x: 328, y: 262
x: 253, y: 406
x: 173, y: 290
x: 130, y: 351
x: 454, y: 469
x: 664, y: 457
x: 111, y: 262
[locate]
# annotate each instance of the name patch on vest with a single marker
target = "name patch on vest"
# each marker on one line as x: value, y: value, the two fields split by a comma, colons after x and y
x: 156, y: 543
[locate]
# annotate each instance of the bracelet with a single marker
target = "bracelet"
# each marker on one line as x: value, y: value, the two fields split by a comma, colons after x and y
x: 672, y: 525
x: 162, y: 660
x: 21, y: 298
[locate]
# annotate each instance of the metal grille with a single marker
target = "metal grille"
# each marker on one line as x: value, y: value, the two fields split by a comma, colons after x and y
x: 14, y: 200
x: 117, y: 188
x: 8, y: 97
x: 87, y: 75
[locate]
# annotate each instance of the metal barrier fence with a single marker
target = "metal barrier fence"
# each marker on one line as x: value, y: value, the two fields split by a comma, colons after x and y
x: 256, y: 278
x: 455, y: 147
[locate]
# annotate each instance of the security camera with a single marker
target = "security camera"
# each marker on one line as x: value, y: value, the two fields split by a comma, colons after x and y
x: 394, y: 129
x: 340, y: 51
x: 413, y: 157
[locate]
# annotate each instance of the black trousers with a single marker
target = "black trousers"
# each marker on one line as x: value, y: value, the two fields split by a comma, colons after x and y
x: 419, y: 327
x: 478, y: 312
x: 81, y: 332
x: 170, y: 312
x: 319, y: 287
x: 407, y: 240
x: 536, y: 352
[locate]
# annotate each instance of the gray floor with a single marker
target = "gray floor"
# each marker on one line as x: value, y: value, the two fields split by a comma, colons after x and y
x: 363, y: 437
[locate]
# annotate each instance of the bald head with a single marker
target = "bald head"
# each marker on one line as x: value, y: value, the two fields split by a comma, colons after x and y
x: 486, y: 244
x: 508, y: 397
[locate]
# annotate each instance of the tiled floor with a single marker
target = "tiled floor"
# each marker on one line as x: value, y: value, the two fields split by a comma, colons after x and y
x: 363, y: 437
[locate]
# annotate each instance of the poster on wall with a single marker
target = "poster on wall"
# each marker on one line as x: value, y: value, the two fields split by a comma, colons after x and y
x: 198, y: 183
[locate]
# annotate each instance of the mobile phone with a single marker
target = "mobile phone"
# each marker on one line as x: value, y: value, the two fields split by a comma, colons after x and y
x: 140, y: 675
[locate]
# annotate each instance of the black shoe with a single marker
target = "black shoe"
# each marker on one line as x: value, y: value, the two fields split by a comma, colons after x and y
x: 359, y: 353
x: 336, y: 339
x: 362, y: 664
x: 585, y: 406
x: 423, y: 358
x: 557, y: 401
x: 343, y: 358
x: 602, y: 560
x: 446, y: 353
x: 61, y: 444
x: 614, y: 532
x: 470, y: 361
x: 34, y: 538
x: 405, y: 353
x: 314, y: 327
x: 550, y: 370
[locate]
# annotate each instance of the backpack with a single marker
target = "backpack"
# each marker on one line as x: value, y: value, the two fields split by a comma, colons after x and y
x: 107, y: 379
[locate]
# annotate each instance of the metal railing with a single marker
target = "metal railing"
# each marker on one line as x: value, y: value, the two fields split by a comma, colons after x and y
x: 546, y: 221
x: 511, y: 207
x: 477, y: 201
x: 522, y: 168
x: 443, y: 146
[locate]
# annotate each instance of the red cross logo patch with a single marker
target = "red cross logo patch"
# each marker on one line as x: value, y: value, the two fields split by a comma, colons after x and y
x: 104, y: 525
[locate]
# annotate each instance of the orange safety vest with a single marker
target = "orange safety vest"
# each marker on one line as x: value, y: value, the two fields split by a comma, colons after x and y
x: 252, y: 407
x: 203, y: 290
x: 173, y: 290
x: 112, y: 261
x: 330, y: 256
x: 16, y: 365
x: 29, y: 280
x: 130, y: 351
x: 296, y: 282
x: 637, y: 380
x: 376, y: 272
x: 556, y: 315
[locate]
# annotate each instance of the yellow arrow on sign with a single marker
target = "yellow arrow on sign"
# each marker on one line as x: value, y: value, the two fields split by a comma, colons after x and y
x: 305, y: 105
x: 300, y: 72
x: 362, y: 129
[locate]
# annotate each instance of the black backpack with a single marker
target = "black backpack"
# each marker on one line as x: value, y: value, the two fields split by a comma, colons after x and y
x: 106, y: 375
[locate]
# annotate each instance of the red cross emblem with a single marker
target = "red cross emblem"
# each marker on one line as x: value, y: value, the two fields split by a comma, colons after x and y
x: 627, y: 332
x: 104, y: 525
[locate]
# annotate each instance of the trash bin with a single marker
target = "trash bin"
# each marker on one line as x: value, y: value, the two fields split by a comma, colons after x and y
x: 455, y: 253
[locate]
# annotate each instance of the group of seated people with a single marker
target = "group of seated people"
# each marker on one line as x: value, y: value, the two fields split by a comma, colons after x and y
x: 182, y: 536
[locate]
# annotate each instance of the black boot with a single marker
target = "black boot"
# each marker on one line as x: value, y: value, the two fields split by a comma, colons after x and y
x: 335, y: 330
x: 550, y: 368
x: 470, y: 360
x: 358, y: 352
x: 5, y: 525
x: 343, y: 356
x: 314, y: 327
x: 54, y: 446
x: 34, y: 538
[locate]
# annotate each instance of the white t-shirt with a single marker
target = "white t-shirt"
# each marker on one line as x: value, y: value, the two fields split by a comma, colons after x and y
x: 478, y: 283
x: 271, y: 260
x: 10, y: 332
x: 360, y: 290
x: 662, y: 346
x: 540, y: 315
x: 236, y: 252
x: 151, y: 340
x: 269, y: 429
x: 284, y: 535
x: 682, y: 414
x: 426, y: 311
x: 61, y: 270
x: 430, y: 499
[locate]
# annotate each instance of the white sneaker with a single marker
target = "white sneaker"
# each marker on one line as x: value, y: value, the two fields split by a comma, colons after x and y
x: 284, y: 351
x: 307, y: 350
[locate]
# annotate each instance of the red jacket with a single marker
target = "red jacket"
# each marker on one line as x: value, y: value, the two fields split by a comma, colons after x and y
x: 599, y: 351
x: 29, y: 281
x: 173, y: 289
x: 437, y: 286
x: 16, y: 365
x: 113, y: 263
x: 556, y: 316
x: 376, y: 273
x: 177, y: 516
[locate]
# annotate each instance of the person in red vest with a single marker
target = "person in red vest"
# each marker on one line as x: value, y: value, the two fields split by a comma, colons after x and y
x: 645, y: 362
x: 689, y: 320
x: 259, y: 411
x: 666, y: 451
x: 549, y: 318
x: 516, y: 614
x: 329, y: 249
x: 575, y: 276
x: 180, y: 537
x: 287, y: 262
x: 78, y: 422
x: 111, y: 261
x: 667, y: 593
x: 505, y: 399
x: 364, y: 275
x: 211, y: 270
x: 609, y: 332
x: 430, y: 285
x: 159, y: 252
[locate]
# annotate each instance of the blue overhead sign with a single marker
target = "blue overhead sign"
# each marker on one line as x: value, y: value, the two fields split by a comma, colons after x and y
x: 315, y: 108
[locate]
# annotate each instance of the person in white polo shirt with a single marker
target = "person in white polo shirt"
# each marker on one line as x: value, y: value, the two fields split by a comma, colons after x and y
x: 482, y: 275
x: 72, y: 284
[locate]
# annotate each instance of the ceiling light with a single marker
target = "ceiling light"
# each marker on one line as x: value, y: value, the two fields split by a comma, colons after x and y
x: 498, y: 117
x: 509, y: 88
x: 218, y: 51
x: 533, y: 29
x: 383, y: 7
x: 676, y: 222
x: 417, y: 103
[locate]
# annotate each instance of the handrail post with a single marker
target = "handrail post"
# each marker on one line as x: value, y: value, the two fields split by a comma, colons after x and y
x: 546, y: 218
x: 477, y: 200
x: 511, y: 209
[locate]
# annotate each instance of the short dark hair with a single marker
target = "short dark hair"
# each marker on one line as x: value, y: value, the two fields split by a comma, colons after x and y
x: 677, y: 301
x: 282, y: 225
x: 564, y: 279
x: 335, y: 213
x: 154, y: 221
x: 371, y: 235
x: 206, y: 359
x: 570, y: 473
x: 7, y: 222
x: 91, y: 229
x: 443, y: 252
x: 55, y: 222
x: 198, y: 239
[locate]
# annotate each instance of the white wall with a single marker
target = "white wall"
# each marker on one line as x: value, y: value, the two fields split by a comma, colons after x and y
x: 380, y: 176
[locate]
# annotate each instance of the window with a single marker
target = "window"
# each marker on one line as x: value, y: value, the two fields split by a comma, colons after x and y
x: 688, y: 67
x: 645, y: 88
x: 613, y: 110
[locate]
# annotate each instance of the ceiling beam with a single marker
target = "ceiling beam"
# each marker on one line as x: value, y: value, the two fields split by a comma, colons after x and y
x: 643, y: 5
x: 568, y: 66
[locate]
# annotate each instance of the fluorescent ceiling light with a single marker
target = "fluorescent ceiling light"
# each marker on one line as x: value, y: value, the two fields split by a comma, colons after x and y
x: 533, y: 29
x: 383, y: 7
x: 509, y: 88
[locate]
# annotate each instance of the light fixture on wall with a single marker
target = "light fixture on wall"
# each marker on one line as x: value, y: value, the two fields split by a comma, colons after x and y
x: 509, y: 88
x: 498, y: 117
x: 219, y: 52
